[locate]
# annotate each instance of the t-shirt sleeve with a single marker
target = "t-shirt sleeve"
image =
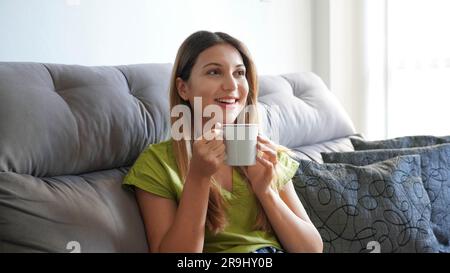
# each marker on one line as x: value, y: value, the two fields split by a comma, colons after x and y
x: 286, y: 168
x: 148, y: 174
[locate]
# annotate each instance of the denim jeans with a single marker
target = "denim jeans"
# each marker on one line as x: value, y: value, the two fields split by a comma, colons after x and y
x: 268, y: 249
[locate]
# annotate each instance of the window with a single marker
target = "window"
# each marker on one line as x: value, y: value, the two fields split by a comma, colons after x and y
x: 418, y: 67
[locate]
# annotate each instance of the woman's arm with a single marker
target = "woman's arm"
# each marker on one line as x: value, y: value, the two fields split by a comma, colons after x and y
x: 284, y: 211
x: 172, y: 229
x: 290, y: 221
x: 182, y: 229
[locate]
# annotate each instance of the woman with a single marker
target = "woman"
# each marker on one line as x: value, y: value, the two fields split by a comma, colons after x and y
x: 190, y: 200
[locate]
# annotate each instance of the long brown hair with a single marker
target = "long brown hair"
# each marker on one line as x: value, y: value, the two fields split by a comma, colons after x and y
x: 186, y: 57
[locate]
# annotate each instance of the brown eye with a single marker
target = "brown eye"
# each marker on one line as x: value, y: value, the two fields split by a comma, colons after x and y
x: 241, y: 72
x: 213, y: 72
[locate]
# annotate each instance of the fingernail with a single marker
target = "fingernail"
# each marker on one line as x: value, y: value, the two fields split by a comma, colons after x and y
x: 260, y: 153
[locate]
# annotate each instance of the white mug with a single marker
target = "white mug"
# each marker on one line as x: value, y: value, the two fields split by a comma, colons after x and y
x: 240, y: 144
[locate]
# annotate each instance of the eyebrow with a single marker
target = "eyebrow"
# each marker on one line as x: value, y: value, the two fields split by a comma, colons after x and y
x: 217, y: 64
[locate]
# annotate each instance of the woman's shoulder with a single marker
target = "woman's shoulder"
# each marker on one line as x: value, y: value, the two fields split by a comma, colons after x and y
x: 152, y: 170
x: 161, y: 149
x: 155, y: 154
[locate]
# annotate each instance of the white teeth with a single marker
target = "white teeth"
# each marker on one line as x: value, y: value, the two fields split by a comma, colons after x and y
x: 227, y: 100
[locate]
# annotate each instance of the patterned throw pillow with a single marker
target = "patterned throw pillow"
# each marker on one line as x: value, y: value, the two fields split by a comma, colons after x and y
x: 435, y: 169
x: 355, y: 207
x: 398, y: 143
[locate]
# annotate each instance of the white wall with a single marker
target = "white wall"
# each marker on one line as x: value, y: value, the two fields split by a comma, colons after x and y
x: 339, y: 54
x: 111, y: 32
x: 320, y: 11
x: 348, y: 63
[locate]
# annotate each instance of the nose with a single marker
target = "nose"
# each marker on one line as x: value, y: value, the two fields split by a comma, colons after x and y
x: 229, y: 83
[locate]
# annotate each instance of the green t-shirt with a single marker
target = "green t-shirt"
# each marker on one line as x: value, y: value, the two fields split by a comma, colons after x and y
x: 156, y: 171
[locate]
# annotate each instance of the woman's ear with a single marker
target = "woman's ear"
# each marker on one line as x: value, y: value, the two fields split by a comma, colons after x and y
x: 181, y: 88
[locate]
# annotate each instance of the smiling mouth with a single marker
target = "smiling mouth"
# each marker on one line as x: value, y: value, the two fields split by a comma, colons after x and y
x: 228, y: 102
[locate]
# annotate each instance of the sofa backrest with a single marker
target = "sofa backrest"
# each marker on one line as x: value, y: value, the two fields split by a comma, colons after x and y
x: 69, y: 119
x: 299, y: 110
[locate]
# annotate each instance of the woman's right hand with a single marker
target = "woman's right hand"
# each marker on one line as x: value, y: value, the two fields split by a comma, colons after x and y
x: 208, y: 155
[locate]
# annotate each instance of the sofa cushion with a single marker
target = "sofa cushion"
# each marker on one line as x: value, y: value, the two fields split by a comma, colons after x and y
x: 399, y: 142
x: 50, y: 214
x: 352, y: 206
x: 435, y: 169
x: 313, y: 152
x: 70, y: 119
x: 299, y: 110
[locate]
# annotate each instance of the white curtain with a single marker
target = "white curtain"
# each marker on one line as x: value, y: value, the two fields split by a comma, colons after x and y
x: 388, y: 62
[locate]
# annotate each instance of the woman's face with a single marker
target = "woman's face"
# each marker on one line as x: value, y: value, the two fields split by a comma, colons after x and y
x: 218, y: 77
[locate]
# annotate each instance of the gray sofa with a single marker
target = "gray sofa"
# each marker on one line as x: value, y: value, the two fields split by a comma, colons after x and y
x: 69, y: 133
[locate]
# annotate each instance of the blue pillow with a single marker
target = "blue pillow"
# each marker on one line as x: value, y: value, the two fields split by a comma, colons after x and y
x: 399, y: 142
x: 355, y: 207
x: 435, y: 169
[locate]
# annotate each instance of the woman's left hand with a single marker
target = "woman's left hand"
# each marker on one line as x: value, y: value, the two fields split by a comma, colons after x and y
x: 263, y: 172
